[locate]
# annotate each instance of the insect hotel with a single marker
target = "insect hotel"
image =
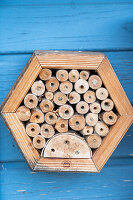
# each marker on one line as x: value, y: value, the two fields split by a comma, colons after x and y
x: 67, y: 111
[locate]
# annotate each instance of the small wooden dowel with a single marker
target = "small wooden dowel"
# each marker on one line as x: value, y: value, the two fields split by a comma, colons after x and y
x: 47, y: 131
x: 52, y: 84
x: 49, y: 95
x: 39, y: 142
x: 94, y: 141
x: 46, y: 105
x: 77, y: 122
x: 82, y: 107
x: 101, y: 93
x: 101, y: 129
x: 62, y: 125
x: 109, y: 118
x: 91, y: 119
x: 38, y: 88
x: 33, y: 129
x: 37, y: 116
x: 81, y: 86
x: 66, y: 111
x: 60, y: 98
x: 84, y: 75
x: 51, y: 118
x: 74, y: 97
x: 88, y: 130
x: 66, y: 87
x: 95, y: 82
x: 73, y: 76
x: 23, y: 113
x: 45, y: 74
x: 62, y: 75
x: 30, y: 101
x: 107, y: 104
x: 95, y: 107
x: 89, y: 96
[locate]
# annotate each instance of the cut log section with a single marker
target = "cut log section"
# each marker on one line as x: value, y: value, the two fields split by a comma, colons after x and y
x: 81, y: 86
x: 77, y: 122
x: 89, y: 96
x: 37, y: 116
x: 66, y: 87
x: 82, y: 107
x: 67, y: 145
x: 60, y: 98
x: 74, y: 97
x: 39, y: 142
x: 66, y: 111
x: 109, y: 118
x: 46, y: 106
x: 95, y: 107
x: 91, y: 119
x: 101, y: 93
x: 101, y: 129
x: 47, y: 131
x: 45, y: 74
x: 84, y: 75
x: 107, y: 104
x: 23, y: 113
x: 30, y: 101
x: 52, y: 84
x: 95, y: 82
x: 51, y: 118
x: 61, y: 125
x: 62, y: 75
x: 33, y: 129
x: 49, y: 95
x: 88, y: 130
x: 38, y: 88
x: 73, y: 76
x: 94, y: 141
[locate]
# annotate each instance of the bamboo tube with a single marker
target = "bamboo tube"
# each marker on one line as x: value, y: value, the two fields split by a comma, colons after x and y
x: 89, y: 96
x: 73, y: 76
x: 60, y: 98
x: 94, y: 141
x: 32, y: 129
x: 66, y: 87
x: 95, y: 82
x: 46, y: 105
x: 49, y: 95
x: 23, y: 113
x: 101, y: 93
x: 38, y: 88
x: 81, y: 86
x: 88, y: 130
x: 109, y: 118
x: 62, y: 75
x: 37, y: 116
x: 107, y: 104
x: 39, y: 142
x: 30, y: 101
x: 91, y: 119
x: 101, y: 129
x: 45, y: 74
x: 82, y: 107
x: 84, y: 75
x: 95, y: 107
x: 47, y: 131
x: 66, y: 111
x: 62, y: 125
x: 52, y: 84
x: 73, y: 97
x: 51, y: 118
x: 77, y: 122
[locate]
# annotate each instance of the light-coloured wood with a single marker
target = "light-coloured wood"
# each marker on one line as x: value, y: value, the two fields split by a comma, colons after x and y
x: 49, y: 95
x: 81, y: 86
x: 84, y: 74
x: 62, y: 75
x: 38, y: 88
x: 37, y: 116
x: 45, y: 74
x: 23, y: 113
x: 66, y: 87
x: 82, y: 107
x: 33, y: 129
x: 110, y: 142
x: 67, y: 145
x: 114, y: 88
x: 95, y: 82
x: 73, y: 97
x: 60, y: 98
x: 101, y: 129
x: 77, y: 122
x: 47, y: 131
x: 52, y: 84
x: 102, y: 93
x: 89, y: 96
x: 30, y: 101
x: 46, y: 105
x: 50, y: 118
x: 94, y: 141
x: 107, y: 104
x: 91, y: 119
x: 95, y: 107
x: 62, y: 125
x: 73, y: 75
x: 38, y: 142
x: 109, y: 118
x: 87, y: 130
x: 66, y: 111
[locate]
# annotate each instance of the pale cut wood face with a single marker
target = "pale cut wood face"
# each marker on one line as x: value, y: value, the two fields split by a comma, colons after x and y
x: 99, y: 81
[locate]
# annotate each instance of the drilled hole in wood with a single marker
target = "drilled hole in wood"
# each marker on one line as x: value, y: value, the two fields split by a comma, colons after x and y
x: 51, y: 117
x: 32, y: 129
x: 46, y: 106
x: 38, y: 88
x: 60, y: 98
x: 82, y: 107
x: 52, y: 84
x: 37, y: 116
x: 66, y: 112
x: 77, y: 123
x: 38, y: 141
x: 110, y: 117
x: 31, y: 101
x: 62, y: 125
x: 107, y: 104
x: 82, y: 86
x: 66, y: 142
x: 46, y: 130
x: 53, y: 150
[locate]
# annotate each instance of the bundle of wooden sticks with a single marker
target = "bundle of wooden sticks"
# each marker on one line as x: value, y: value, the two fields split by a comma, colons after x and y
x: 62, y: 101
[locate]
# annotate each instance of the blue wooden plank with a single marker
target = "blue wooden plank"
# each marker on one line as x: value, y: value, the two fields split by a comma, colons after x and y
x: 114, y: 182
x: 89, y: 25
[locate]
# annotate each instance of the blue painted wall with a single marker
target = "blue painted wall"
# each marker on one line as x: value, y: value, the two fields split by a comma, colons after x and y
x: 97, y: 25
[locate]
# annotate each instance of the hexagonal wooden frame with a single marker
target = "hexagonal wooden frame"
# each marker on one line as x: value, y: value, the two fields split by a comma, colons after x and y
x: 67, y: 60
